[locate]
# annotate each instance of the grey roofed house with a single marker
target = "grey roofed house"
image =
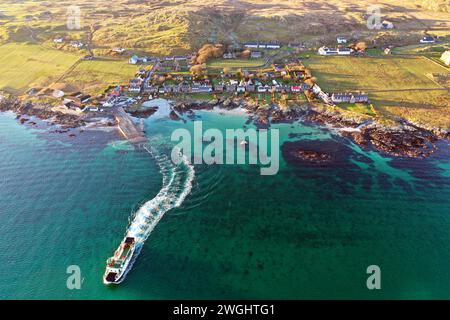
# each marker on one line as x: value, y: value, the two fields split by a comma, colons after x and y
x: 148, y: 88
x: 273, y: 45
x: 251, y: 44
x: 250, y: 87
x: 344, y: 50
x: 168, y: 88
x: 185, y: 87
x: 201, y: 88
x: 295, y: 45
x: 231, y: 87
x: 219, y: 87
x: 256, y: 54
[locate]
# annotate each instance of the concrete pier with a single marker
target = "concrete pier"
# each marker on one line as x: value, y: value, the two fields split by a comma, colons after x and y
x: 128, y: 128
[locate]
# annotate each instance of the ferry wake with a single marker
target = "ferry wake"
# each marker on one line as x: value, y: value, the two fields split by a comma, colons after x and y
x: 176, y: 185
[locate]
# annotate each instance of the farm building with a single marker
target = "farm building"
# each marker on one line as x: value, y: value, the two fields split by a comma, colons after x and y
x: 446, y: 58
x: 427, y: 39
x: 325, y: 51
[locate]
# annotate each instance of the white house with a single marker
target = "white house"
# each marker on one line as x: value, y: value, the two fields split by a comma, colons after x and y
x: 427, y: 39
x: 387, y: 25
x: 77, y: 44
x: 119, y: 50
x: 325, y: 51
x: 446, y: 58
x: 133, y: 60
x: 273, y: 45
x: 341, y: 40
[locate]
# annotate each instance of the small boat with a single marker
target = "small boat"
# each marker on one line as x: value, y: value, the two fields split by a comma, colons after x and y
x: 244, y: 143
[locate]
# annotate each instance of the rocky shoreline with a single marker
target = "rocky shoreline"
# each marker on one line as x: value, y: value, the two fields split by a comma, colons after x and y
x: 402, y: 140
x: 27, y: 109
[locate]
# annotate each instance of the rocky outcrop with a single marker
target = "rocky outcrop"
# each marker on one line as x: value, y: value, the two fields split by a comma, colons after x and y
x: 40, y: 111
x: 404, y: 141
x: 143, y: 113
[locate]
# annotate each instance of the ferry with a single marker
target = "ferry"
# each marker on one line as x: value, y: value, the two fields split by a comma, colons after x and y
x: 118, y: 265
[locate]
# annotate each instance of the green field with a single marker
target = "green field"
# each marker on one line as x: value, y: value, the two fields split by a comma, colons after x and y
x: 95, y: 76
x: 361, y: 108
x: 397, y: 86
x: 27, y: 65
x: 234, y: 63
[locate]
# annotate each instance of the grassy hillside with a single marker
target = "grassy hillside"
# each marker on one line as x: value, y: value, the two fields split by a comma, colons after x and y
x: 176, y: 26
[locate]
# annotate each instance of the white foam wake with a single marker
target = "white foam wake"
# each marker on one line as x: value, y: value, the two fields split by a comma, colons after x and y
x: 176, y: 185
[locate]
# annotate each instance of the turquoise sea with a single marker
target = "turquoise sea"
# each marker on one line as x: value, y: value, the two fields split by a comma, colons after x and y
x: 308, y: 232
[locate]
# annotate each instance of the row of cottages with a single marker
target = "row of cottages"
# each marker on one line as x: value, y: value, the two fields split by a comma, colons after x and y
x: 445, y: 58
x: 263, y: 45
x: 178, y: 58
x: 136, y: 59
x: 325, y: 51
x: 350, y: 97
x: 200, y: 87
x: 230, y: 87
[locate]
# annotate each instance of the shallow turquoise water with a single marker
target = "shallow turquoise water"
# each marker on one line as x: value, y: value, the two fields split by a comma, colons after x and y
x: 307, y: 232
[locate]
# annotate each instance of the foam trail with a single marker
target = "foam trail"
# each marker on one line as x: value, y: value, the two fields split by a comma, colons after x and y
x: 176, y: 185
